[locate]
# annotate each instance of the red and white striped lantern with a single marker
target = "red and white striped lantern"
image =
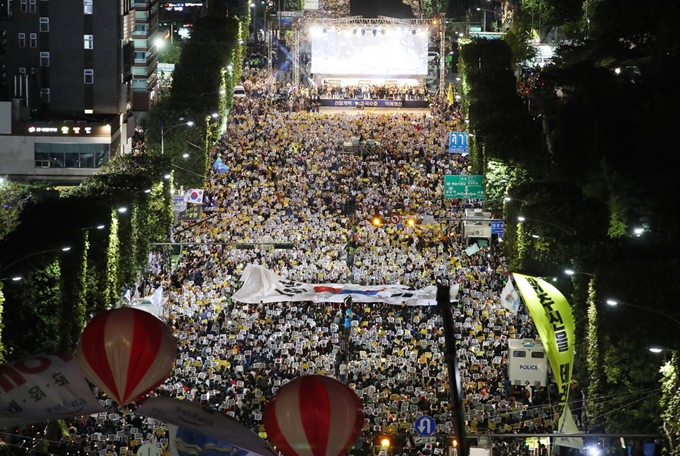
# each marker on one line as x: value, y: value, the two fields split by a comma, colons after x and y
x: 314, y: 415
x: 126, y: 353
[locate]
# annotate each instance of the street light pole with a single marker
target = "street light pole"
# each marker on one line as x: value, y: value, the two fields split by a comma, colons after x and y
x: 571, y: 272
x: 614, y: 303
x: 570, y: 231
x: 484, y: 10
x: 63, y: 249
x: 264, y: 20
x: 164, y: 131
x: 252, y: 18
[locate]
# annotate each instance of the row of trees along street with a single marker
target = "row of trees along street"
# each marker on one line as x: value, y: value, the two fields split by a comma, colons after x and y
x: 587, y: 152
x: 108, y: 221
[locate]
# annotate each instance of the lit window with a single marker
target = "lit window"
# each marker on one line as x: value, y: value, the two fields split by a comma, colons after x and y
x: 31, y: 5
x: 22, y: 40
x: 88, y: 76
x: 24, y: 6
x: 33, y: 40
x: 87, y: 6
x: 22, y: 70
x: 44, y: 59
x: 44, y: 24
x: 89, y: 41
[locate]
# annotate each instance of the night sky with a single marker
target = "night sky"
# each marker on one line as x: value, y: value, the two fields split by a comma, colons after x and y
x: 374, y: 8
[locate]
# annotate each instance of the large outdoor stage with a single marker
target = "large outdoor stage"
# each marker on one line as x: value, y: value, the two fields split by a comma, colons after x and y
x: 369, y: 53
x: 392, y: 104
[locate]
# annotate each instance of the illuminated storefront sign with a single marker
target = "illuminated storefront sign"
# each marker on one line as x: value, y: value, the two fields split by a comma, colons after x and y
x: 69, y: 130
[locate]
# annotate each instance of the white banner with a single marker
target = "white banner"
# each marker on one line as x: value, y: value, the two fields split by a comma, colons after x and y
x: 44, y: 387
x: 568, y: 426
x: 196, y: 423
x: 510, y: 297
x: 262, y: 285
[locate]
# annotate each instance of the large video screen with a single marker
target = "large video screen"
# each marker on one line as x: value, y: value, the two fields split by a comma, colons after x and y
x: 389, y: 51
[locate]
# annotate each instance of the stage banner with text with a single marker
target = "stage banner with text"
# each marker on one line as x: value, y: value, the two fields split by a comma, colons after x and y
x: 44, y: 387
x: 262, y: 285
x: 554, y: 321
x: 351, y: 103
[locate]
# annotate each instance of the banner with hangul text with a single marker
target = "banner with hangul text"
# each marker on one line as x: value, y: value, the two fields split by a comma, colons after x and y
x: 554, y: 322
x: 44, y: 387
x: 263, y: 285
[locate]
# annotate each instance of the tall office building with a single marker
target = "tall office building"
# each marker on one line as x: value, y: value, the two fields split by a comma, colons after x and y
x: 66, y: 85
x: 144, y: 70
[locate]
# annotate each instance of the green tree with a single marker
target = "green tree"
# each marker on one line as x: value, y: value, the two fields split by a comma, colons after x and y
x: 170, y: 52
x: 13, y: 196
x: 518, y: 37
x: 670, y: 403
x: 35, y: 312
x: 546, y: 15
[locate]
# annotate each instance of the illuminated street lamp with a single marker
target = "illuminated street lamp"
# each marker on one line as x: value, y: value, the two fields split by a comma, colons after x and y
x: 101, y: 226
x: 62, y: 249
x: 616, y: 302
x: 165, y: 130
x: 571, y: 272
x: 484, y: 10
x: 568, y: 230
x: 13, y: 279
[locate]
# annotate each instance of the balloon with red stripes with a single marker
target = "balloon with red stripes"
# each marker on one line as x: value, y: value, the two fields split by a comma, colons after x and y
x: 314, y: 415
x: 126, y: 353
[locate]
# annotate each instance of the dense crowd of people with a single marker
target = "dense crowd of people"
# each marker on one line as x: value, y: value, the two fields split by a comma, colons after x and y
x: 290, y: 180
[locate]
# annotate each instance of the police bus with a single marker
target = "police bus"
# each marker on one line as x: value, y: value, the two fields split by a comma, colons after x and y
x: 527, y: 362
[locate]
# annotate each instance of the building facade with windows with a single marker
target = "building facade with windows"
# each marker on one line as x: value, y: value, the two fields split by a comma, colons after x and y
x: 66, y: 85
x: 144, y: 69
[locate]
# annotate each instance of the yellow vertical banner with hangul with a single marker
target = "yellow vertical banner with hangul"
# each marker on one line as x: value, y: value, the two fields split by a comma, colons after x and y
x: 554, y: 323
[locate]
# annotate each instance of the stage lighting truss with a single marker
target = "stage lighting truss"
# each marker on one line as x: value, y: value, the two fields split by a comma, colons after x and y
x: 381, y: 24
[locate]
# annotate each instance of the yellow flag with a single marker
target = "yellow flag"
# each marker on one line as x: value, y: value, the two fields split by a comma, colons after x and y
x: 449, y: 95
x: 554, y: 323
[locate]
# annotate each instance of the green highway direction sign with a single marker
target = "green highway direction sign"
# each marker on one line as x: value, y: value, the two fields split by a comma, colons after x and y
x: 463, y: 186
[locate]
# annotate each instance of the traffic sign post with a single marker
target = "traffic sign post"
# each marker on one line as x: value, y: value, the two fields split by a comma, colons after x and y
x: 463, y: 186
x: 425, y: 425
x: 458, y: 143
x: 498, y: 227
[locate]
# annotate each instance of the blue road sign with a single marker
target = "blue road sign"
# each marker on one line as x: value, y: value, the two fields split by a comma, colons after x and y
x: 425, y: 425
x: 458, y: 143
x: 498, y: 227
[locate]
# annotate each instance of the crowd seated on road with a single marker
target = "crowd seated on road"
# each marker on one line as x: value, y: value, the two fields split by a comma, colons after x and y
x: 289, y: 180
